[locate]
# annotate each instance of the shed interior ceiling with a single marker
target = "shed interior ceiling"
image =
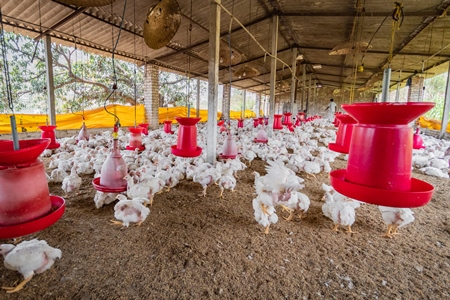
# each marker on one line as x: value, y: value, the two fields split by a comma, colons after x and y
x: 313, y: 27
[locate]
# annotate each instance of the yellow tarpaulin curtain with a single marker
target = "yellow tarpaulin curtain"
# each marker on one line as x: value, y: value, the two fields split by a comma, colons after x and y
x: 99, y: 118
x: 432, y: 124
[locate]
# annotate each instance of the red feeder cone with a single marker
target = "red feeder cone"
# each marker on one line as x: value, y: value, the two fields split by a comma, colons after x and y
x: 83, y: 134
x: 187, y: 138
x: 113, y: 171
x: 145, y: 128
x: 344, y: 134
x: 229, y: 148
x: 287, y: 118
x: 135, y: 141
x: 25, y: 204
x: 222, y: 127
x: 277, y: 122
x: 300, y: 119
x: 240, y: 123
x: 256, y: 122
x: 417, y: 140
x: 375, y: 174
x: 168, y: 127
x: 48, y: 132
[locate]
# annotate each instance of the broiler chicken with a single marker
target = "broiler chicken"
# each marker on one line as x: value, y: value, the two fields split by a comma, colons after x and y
x: 130, y: 211
x: 264, y: 211
x: 341, y: 212
x: 206, y: 178
x: 28, y: 258
x: 72, y: 182
x: 395, y: 218
x: 226, y: 182
x: 101, y: 198
x: 295, y: 202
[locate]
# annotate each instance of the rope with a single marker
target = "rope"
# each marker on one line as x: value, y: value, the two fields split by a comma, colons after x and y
x: 6, y: 67
x: 397, y: 21
x: 114, y: 87
x: 253, y: 38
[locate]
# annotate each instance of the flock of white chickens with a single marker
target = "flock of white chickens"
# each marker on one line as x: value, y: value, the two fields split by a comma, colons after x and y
x: 156, y: 170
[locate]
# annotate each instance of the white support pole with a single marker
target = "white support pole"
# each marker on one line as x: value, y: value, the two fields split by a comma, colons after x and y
x: 303, y: 86
x: 446, y: 106
x: 50, y: 83
x: 258, y: 104
x: 385, y: 86
x: 213, y: 79
x: 197, y: 111
x: 273, y: 72
x: 309, y: 92
x: 293, y: 78
x: 245, y: 99
x: 314, y: 97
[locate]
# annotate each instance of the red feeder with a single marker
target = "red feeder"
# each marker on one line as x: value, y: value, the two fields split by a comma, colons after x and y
x: 145, y: 127
x: 48, y: 132
x: 25, y: 204
x: 277, y: 122
x: 374, y: 173
x: 113, y: 171
x: 229, y: 148
x: 135, y: 139
x: 287, y: 118
x: 344, y: 134
x: 265, y: 120
x: 417, y: 140
x: 187, y: 138
x: 256, y: 122
x: 222, y: 126
x: 240, y: 123
x: 336, y: 120
x: 168, y: 127
x: 300, y: 119
x: 83, y: 134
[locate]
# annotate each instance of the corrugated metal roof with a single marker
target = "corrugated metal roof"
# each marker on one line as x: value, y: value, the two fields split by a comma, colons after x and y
x: 314, y: 27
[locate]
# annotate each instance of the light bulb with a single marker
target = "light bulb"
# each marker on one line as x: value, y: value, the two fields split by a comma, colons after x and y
x: 221, y: 60
x: 240, y: 76
x: 244, y: 74
x: 232, y: 55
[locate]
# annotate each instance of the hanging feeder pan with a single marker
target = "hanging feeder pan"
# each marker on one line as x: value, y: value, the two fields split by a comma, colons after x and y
x: 29, y: 151
x: 18, y: 230
x: 228, y: 56
x: 349, y: 48
x: 162, y: 23
x: 246, y: 72
x: 86, y: 3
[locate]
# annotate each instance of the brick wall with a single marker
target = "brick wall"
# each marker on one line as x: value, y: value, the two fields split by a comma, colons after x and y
x: 151, y: 94
x: 226, y: 102
x: 416, y: 89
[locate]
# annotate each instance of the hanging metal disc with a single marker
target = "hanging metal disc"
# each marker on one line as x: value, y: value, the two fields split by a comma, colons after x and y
x: 87, y: 3
x: 161, y: 24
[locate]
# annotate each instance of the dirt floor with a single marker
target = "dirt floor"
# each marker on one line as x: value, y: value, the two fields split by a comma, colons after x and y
x: 191, y: 247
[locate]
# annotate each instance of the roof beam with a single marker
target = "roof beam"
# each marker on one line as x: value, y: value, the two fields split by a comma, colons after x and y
x: 61, y: 22
x: 312, y: 14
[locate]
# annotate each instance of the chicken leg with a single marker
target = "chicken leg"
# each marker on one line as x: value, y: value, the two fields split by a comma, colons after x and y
x: 266, y: 231
x: 114, y: 222
x: 307, y: 175
x: 221, y: 193
x: 264, y: 209
x: 204, y: 191
x: 291, y: 212
x: 18, y: 287
x: 349, y: 229
x: 336, y: 227
x: 394, y: 230
x: 388, y: 232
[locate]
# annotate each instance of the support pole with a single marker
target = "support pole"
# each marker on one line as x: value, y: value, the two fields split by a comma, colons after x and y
x: 314, y: 95
x: 293, y: 78
x: 385, y: 86
x: 245, y: 99
x: 213, y: 79
x: 446, y: 106
x: 303, y: 86
x: 197, y: 113
x: 50, y: 84
x: 258, y: 104
x: 273, y: 72
x: 309, y: 92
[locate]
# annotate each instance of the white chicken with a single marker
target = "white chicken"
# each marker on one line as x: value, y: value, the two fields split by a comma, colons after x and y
x: 130, y: 211
x: 264, y: 211
x: 57, y: 176
x: 342, y: 213
x: 28, y: 258
x: 296, y: 203
x: 207, y: 178
x: 226, y: 182
x: 395, y: 218
x: 72, y: 182
x: 101, y: 198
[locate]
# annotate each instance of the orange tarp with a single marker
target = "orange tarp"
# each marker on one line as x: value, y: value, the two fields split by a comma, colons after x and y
x: 432, y: 124
x: 99, y: 118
